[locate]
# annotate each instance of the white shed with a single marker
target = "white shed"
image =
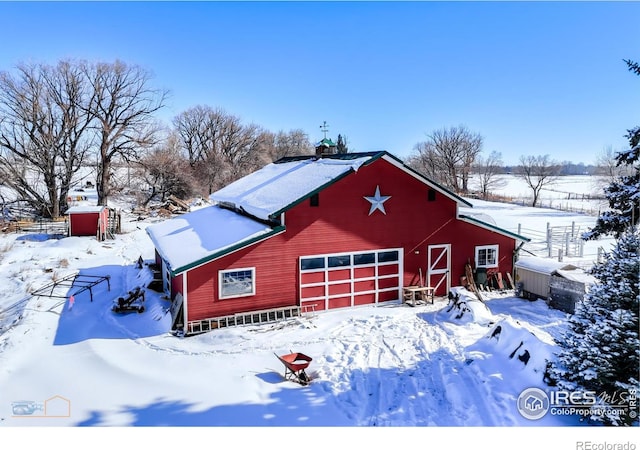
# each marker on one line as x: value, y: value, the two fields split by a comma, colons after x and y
x: 535, y: 275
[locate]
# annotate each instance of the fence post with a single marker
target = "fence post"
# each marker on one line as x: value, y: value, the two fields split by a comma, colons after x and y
x: 581, y: 248
x: 549, y: 240
x: 600, y: 252
x: 573, y: 229
x: 560, y: 255
x: 520, y: 229
x: 566, y: 243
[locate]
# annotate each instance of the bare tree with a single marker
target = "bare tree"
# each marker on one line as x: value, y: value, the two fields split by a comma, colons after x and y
x: 219, y: 147
x: 165, y: 171
x: 70, y: 93
x: 244, y: 148
x: 488, y: 170
x: 197, y: 128
x: 607, y: 167
x: 537, y: 172
x: 425, y: 160
x: 447, y: 156
x: 341, y: 144
x: 43, y: 127
x: 122, y: 106
x: 292, y: 143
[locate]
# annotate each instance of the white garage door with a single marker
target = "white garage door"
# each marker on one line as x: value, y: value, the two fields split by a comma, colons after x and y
x: 349, y: 279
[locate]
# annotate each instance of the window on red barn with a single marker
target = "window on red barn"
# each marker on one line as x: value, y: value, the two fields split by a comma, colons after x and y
x: 237, y: 283
x: 487, y: 256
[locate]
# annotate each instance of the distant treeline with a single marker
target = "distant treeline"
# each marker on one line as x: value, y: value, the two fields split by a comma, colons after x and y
x: 566, y: 168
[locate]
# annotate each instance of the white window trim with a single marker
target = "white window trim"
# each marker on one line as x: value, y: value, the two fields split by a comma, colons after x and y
x: 495, y: 247
x: 241, y: 269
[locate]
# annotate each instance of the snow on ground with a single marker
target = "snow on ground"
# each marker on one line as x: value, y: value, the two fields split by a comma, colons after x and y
x: 533, y: 223
x: 451, y: 364
x: 575, y: 192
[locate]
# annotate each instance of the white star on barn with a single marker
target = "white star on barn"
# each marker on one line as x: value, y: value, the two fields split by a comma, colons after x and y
x: 377, y: 201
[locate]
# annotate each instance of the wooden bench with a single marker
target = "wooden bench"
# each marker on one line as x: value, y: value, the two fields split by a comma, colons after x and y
x: 413, y: 294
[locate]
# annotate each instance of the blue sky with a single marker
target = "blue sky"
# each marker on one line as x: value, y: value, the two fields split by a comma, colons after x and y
x: 532, y: 78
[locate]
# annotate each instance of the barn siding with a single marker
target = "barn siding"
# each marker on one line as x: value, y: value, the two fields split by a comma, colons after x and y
x: 466, y: 237
x: 341, y: 223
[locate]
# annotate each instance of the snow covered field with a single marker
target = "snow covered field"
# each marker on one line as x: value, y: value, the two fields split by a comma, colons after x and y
x: 572, y: 192
x: 394, y: 366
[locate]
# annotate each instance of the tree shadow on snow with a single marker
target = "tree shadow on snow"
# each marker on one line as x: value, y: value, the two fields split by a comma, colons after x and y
x: 436, y: 392
x: 40, y: 237
x: 297, y: 406
x: 87, y: 319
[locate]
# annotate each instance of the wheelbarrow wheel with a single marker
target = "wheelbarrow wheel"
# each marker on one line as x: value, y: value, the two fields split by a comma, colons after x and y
x: 303, y: 377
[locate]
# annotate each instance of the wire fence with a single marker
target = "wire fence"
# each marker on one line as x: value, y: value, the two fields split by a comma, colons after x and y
x: 560, y: 242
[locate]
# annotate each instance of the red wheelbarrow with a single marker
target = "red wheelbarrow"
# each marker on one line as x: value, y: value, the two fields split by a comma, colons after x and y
x: 294, y: 364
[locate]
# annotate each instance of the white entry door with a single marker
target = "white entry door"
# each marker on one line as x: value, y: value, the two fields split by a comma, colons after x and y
x: 439, y: 268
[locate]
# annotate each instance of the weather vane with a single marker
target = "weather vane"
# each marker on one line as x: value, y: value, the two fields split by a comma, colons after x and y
x: 325, y: 128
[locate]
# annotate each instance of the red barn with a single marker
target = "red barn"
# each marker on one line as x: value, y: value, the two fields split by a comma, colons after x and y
x: 88, y: 221
x: 320, y: 232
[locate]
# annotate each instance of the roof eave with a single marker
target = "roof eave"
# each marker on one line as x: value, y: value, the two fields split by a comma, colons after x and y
x: 492, y: 227
x: 399, y: 163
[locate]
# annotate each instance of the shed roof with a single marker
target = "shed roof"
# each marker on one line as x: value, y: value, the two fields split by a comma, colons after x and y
x: 85, y: 209
x: 542, y: 265
x: 200, y: 236
x: 576, y: 275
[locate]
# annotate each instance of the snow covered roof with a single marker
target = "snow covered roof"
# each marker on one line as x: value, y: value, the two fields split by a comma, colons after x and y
x: 542, y: 265
x: 577, y: 275
x: 203, y: 235
x: 271, y: 190
x: 85, y: 209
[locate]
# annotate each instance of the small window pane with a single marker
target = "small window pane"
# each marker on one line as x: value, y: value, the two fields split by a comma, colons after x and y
x: 482, y: 258
x: 339, y: 261
x: 364, y: 258
x: 311, y: 263
x: 388, y: 256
